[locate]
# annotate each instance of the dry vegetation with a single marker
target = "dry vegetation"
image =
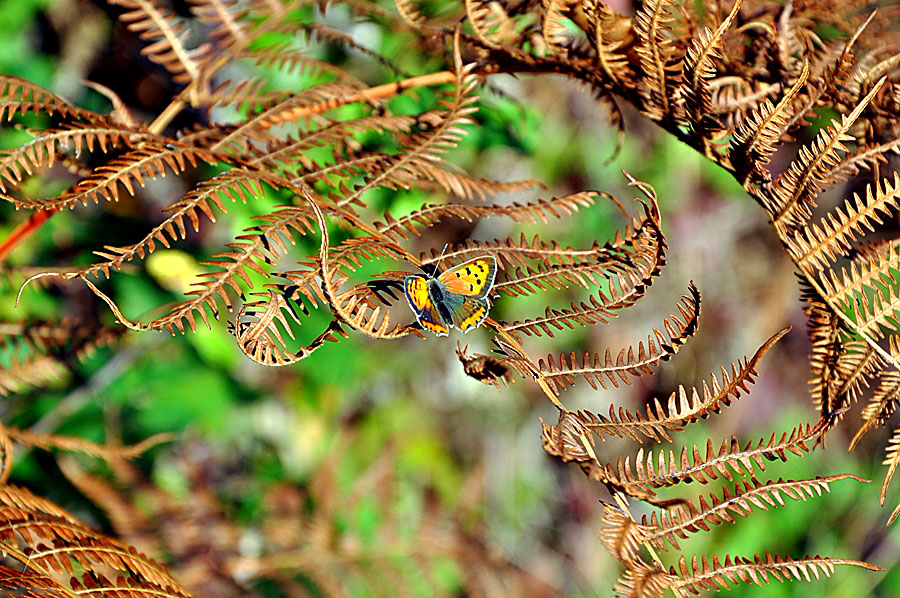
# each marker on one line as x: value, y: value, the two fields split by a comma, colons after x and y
x: 737, y: 82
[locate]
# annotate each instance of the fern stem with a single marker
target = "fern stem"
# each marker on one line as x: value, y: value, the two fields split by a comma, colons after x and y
x: 367, y: 95
x: 26, y: 561
x: 166, y: 116
x: 848, y: 321
x: 623, y: 505
x: 23, y: 231
x: 539, y: 378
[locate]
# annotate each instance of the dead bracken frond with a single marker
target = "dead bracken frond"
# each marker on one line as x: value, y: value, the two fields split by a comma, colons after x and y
x: 737, y: 82
x: 681, y: 409
x: 751, y: 75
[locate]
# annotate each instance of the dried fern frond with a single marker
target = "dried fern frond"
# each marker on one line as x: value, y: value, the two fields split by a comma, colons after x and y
x: 43, y: 538
x: 598, y: 371
x: 168, y: 47
x: 756, y: 137
x: 35, y: 371
x: 681, y: 409
x: 818, y: 246
x: 692, y: 464
x: 124, y: 173
x: 644, y: 581
x: 491, y: 23
x: 698, y: 70
x: 18, y: 97
x: 703, y: 575
x: 664, y: 528
x: 795, y: 189
x: 652, y: 26
x: 622, y: 536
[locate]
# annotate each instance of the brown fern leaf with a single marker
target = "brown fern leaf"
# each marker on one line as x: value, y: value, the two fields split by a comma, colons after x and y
x: 876, y: 315
x: 621, y: 535
x: 652, y: 26
x: 331, y: 35
x: 127, y: 171
x: 823, y: 327
x: 703, y: 576
x: 356, y: 307
x: 20, y: 97
x: 410, y: 13
x: 248, y: 94
x: 582, y: 314
x: 44, y: 151
x: 290, y: 157
x: 641, y: 580
x: 554, y: 31
x: 630, y: 260
x: 597, y: 371
x: 424, y: 174
x: 349, y: 255
x: 491, y: 23
x: 300, y: 106
x: 882, y: 405
x: 797, y: 187
x: 566, y: 439
x: 78, y: 445
x: 817, y: 246
x: 892, y: 459
x: 31, y: 585
x: 688, y: 518
x: 511, y: 252
x: 261, y: 340
x: 734, y: 99
x: 43, y: 538
x: 866, y: 158
x: 530, y: 280
x: 698, y: 69
x: 626, y: 287
x: 608, y: 33
x: 224, y: 17
x: 857, y: 364
x: 167, y: 37
x: 681, y: 410
x: 289, y: 60
x: 427, y: 147
x: 728, y: 461
x: 34, y: 371
x: 357, y: 310
x: 235, y: 185
x: 532, y: 212
x: 266, y: 243
x: 874, y: 270
x: 756, y: 138
x: 63, y: 338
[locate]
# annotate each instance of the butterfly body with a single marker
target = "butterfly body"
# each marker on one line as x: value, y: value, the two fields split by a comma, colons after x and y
x: 456, y: 297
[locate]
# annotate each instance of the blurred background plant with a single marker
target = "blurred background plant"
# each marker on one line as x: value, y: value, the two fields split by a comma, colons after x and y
x: 383, y: 438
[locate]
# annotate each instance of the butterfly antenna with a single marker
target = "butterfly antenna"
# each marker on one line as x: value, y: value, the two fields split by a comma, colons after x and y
x: 432, y: 269
x: 437, y: 266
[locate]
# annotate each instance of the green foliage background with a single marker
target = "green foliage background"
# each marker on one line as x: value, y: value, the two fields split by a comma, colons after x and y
x: 446, y: 432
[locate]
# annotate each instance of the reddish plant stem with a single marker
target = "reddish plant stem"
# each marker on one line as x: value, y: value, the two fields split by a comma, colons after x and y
x: 23, y: 231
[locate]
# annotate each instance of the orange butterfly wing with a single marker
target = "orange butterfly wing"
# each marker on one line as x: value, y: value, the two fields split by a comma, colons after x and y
x: 474, y: 278
x: 471, y: 313
x: 416, y: 289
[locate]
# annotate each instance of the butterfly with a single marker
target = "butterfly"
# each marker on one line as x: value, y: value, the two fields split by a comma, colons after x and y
x: 457, y: 297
